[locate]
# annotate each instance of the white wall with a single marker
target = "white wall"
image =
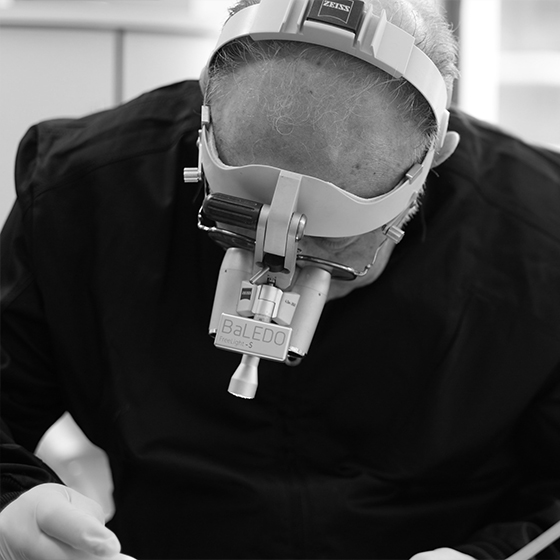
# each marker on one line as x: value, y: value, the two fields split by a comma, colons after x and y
x: 510, y: 66
x: 72, y: 57
x: 43, y: 75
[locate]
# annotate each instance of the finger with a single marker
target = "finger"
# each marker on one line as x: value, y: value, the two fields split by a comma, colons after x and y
x: 78, y: 528
x: 86, y: 504
x: 48, y: 548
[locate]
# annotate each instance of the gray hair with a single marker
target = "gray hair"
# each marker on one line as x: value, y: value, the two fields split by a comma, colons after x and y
x: 420, y: 18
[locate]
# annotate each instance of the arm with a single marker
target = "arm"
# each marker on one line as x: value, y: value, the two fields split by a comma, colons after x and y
x: 29, y: 399
x: 40, y: 519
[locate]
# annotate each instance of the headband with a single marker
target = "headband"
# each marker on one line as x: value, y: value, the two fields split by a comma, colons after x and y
x: 330, y: 210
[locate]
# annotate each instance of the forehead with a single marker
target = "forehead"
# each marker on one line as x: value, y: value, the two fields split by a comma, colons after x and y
x: 307, y: 119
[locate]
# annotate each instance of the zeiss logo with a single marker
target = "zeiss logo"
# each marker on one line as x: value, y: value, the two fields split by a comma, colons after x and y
x: 339, y: 10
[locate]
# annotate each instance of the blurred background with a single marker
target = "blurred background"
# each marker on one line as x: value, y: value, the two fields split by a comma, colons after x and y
x: 69, y: 58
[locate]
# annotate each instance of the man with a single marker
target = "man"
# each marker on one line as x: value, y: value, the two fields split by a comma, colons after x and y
x: 425, y: 420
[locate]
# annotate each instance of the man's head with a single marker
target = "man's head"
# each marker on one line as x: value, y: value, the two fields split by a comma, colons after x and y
x: 320, y: 112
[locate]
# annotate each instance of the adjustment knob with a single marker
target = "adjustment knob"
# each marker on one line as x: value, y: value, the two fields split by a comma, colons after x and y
x: 192, y: 175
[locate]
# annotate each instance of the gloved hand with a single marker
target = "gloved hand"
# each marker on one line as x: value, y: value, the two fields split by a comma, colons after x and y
x: 441, y: 554
x: 53, y: 522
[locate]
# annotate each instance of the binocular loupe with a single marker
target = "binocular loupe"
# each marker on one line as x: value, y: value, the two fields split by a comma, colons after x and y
x: 264, y: 306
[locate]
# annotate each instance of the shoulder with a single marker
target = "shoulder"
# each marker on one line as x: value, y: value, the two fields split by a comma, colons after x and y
x: 493, y: 214
x: 58, y: 152
x: 507, y: 175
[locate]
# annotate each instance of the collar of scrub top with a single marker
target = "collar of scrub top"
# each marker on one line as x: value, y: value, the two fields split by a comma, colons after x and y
x: 350, y: 27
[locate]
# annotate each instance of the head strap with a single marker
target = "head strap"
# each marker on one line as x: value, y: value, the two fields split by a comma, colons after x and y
x: 330, y: 210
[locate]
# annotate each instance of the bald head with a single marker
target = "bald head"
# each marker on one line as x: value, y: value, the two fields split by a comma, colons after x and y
x: 313, y: 115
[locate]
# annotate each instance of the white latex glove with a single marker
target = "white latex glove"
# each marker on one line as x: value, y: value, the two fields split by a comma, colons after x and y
x: 441, y: 554
x: 53, y: 522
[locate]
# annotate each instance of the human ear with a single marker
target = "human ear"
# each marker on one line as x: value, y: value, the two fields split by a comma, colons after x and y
x: 450, y: 144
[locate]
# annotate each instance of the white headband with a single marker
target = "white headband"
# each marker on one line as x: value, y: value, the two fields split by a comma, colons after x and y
x: 330, y: 210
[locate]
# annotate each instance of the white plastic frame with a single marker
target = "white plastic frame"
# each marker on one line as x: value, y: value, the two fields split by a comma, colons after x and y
x: 330, y: 210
